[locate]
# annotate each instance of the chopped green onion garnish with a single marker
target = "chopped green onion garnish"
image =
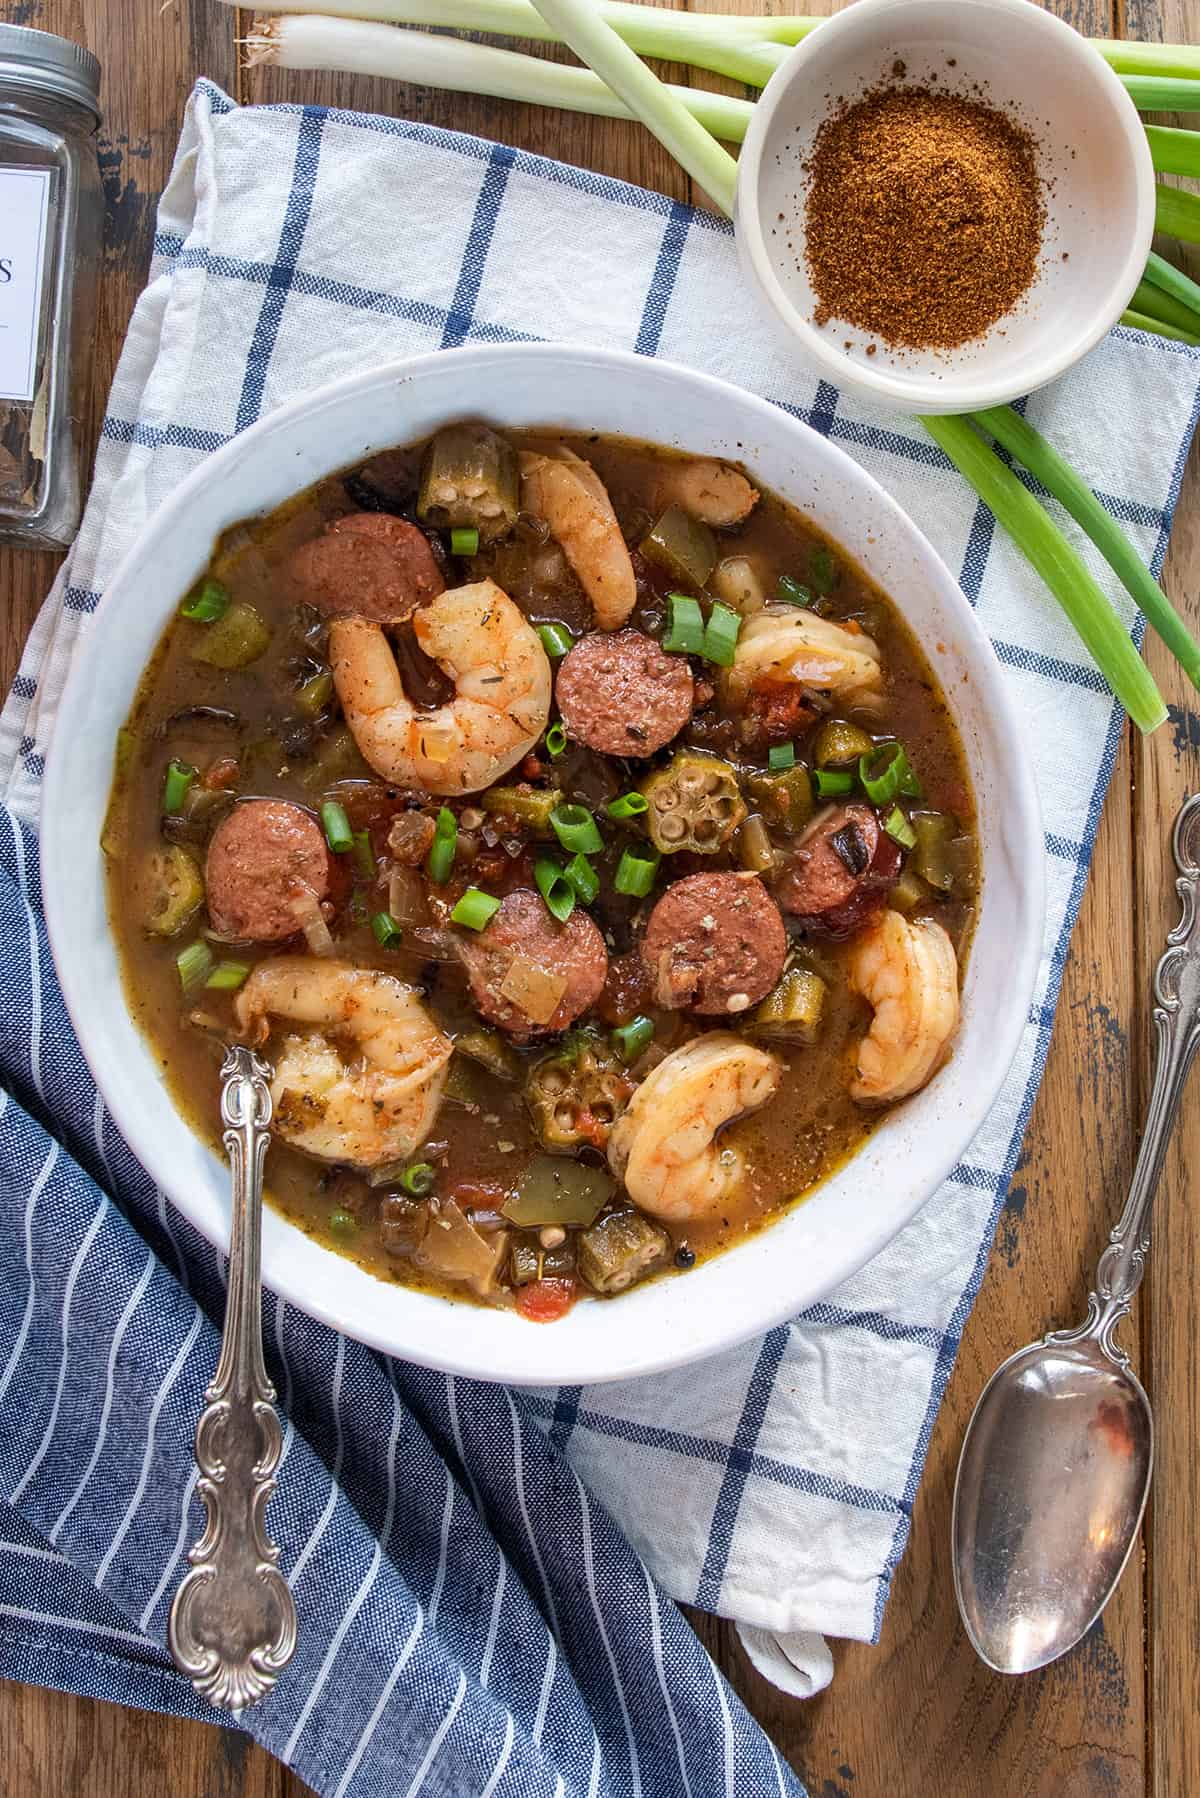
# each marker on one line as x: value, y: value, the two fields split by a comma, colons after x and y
x: 575, y: 828
x: 685, y: 626
x: 831, y: 783
x: 342, y: 1223
x: 554, y: 887
x: 792, y: 593
x: 721, y: 635
x: 388, y: 933
x: 583, y: 877
x: 194, y: 964
x: 357, y: 909
x: 418, y: 1179
x: 180, y: 776
x: 227, y: 976
x: 364, y: 855
x: 629, y: 805
x: 440, y: 859
x: 630, y: 1039
x: 556, y: 640
x: 885, y: 773
x: 556, y: 741
x: 336, y: 826
x: 822, y: 570
x: 899, y: 828
x: 475, y: 909
x: 781, y: 756
x: 316, y: 693
x: 209, y: 602
x: 464, y: 541
x: 635, y: 874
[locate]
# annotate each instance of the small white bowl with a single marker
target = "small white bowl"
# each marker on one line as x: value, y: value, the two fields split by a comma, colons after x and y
x: 1092, y: 152
x: 862, y: 1205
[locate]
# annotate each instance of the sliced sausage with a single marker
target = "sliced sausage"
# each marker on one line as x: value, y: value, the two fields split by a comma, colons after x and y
x: 367, y: 565
x: 715, y: 942
x: 264, y: 855
x: 522, y: 943
x: 618, y: 692
x: 840, y: 871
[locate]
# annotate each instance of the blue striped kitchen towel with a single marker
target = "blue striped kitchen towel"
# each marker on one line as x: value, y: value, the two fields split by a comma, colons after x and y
x: 483, y: 1576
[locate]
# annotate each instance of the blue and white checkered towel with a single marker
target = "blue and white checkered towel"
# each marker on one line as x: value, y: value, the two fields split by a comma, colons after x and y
x: 474, y: 1621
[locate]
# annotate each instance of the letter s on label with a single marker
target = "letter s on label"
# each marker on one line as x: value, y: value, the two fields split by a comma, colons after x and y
x: 5, y: 268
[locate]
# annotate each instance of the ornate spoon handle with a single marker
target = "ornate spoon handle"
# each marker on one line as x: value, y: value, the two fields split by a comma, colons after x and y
x: 1177, y: 1036
x: 232, y: 1628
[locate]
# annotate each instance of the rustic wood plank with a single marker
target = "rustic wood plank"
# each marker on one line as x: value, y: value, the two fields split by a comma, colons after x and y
x: 1167, y: 768
x: 56, y: 1746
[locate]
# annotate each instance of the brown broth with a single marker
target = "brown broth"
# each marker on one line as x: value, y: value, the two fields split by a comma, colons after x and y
x: 483, y: 1134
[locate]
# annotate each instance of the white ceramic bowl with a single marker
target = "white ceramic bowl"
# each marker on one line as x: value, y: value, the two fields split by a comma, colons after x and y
x: 1092, y: 149
x: 848, y: 1219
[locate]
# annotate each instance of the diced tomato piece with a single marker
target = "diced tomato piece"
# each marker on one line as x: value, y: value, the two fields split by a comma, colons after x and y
x: 543, y: 1301
x: 591, y: 1129
x: 776, y: 711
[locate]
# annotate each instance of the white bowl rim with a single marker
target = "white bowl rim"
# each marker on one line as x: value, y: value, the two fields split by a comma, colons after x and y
x: 60, y: 857
x: 914, y: 394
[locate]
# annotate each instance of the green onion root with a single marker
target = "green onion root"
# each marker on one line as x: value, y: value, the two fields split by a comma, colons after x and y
x: 1030, y: 448
x: 1059, y: 565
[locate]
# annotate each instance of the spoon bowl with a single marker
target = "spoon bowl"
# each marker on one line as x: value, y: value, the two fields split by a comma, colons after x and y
x: 1053, y: 1480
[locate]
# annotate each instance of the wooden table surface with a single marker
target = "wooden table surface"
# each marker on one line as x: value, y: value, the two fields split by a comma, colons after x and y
x: 917, y: 1714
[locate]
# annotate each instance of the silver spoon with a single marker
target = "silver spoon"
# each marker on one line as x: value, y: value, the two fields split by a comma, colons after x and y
x: 1055, y: 1466
x: 232, y: 1628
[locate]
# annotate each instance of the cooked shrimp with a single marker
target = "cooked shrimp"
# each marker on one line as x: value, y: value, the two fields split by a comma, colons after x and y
x: 501, y: 702
x: 788, y: 643
x: 565, y: 491
x: 373, y: 1108
x: 711, y: 491
x: 663, y: 1147
x: 907, y: 972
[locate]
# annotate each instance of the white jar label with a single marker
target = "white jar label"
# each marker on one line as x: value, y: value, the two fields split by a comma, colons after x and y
x: 24, y: 204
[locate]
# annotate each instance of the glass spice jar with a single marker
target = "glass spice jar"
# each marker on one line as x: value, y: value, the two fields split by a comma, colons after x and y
x: 51, y: 222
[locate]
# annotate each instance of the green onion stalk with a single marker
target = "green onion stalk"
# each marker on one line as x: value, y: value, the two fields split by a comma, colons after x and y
x: 742, y: 48
x: 1058, y: 563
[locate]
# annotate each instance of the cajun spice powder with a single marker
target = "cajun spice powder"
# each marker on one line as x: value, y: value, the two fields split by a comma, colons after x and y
x: 924, y: 216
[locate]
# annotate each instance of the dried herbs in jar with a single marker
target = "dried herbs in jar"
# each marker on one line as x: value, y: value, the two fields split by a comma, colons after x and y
x: 51, y: 214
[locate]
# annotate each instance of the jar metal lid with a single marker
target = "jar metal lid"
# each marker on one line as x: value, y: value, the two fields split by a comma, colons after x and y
x: 52, y: 65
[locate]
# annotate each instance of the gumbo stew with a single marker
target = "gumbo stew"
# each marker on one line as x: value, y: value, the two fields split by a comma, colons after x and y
x: 581, y: 837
